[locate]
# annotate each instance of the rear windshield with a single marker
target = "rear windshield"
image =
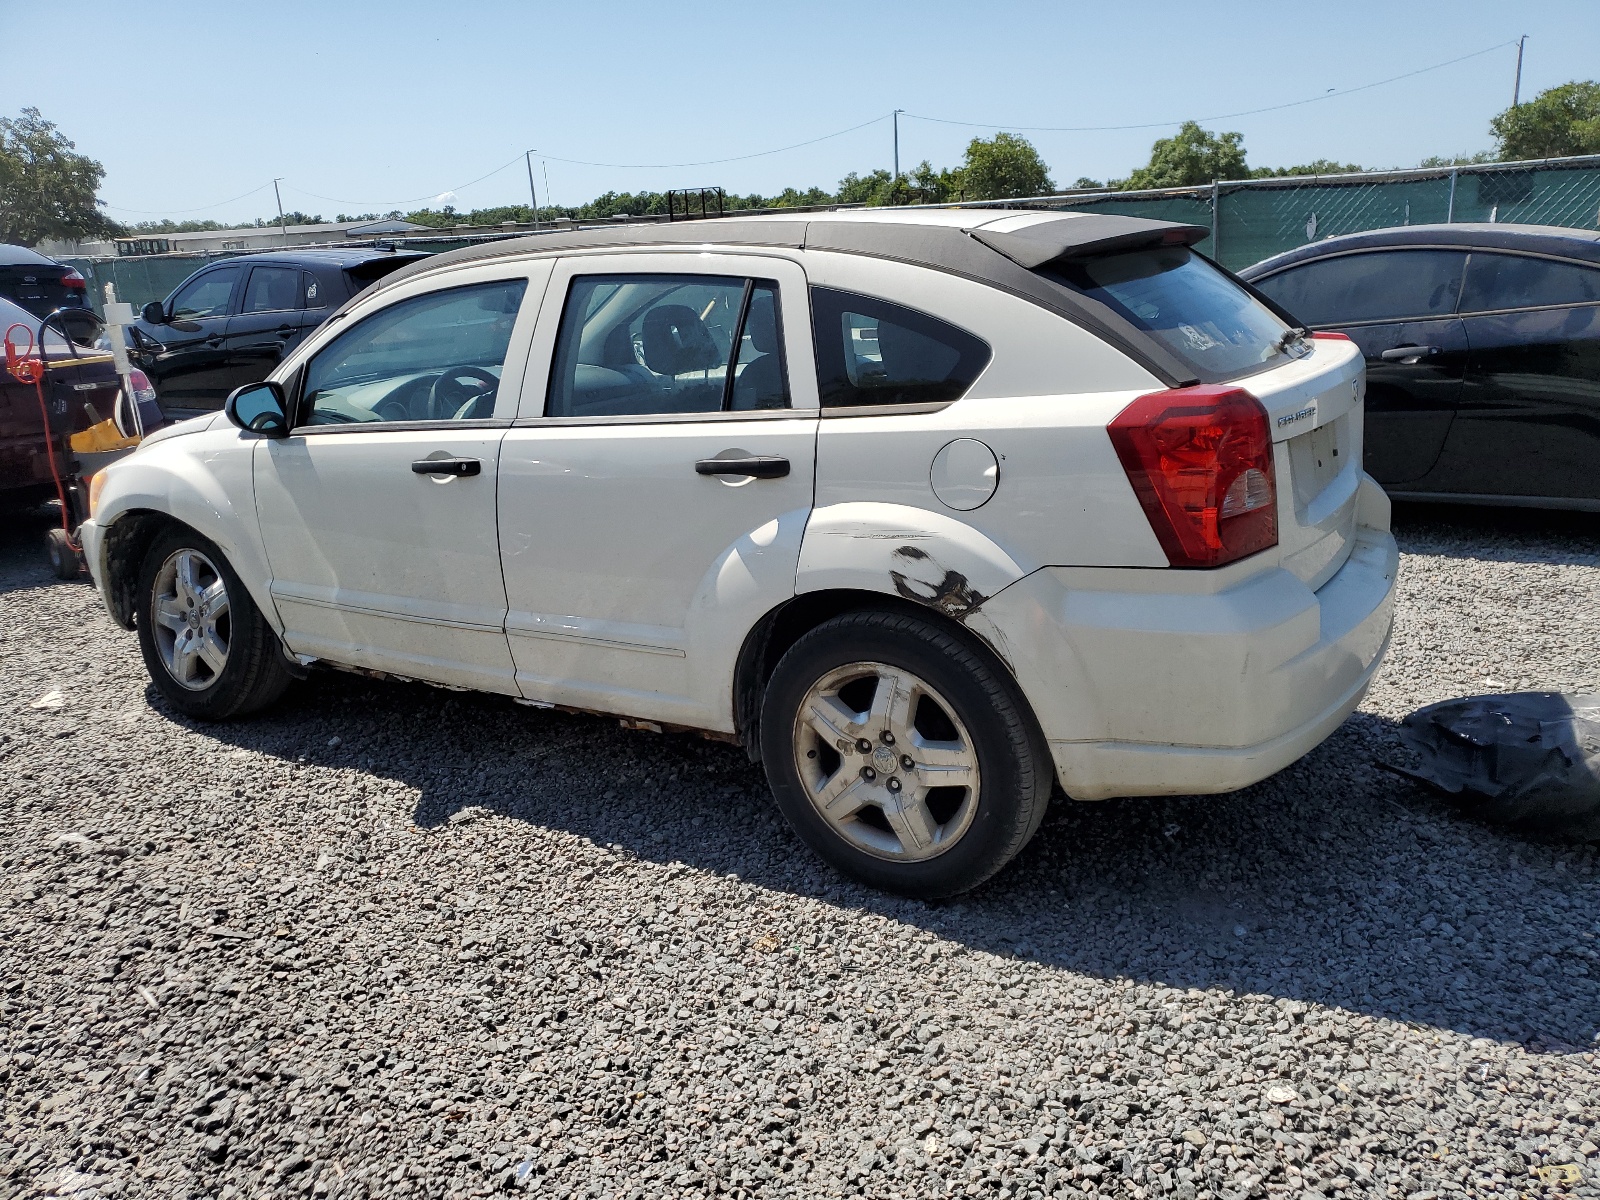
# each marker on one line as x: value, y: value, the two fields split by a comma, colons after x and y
x: 1198, y: 313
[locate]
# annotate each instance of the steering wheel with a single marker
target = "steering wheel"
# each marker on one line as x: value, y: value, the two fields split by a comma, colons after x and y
x: 448, y: 399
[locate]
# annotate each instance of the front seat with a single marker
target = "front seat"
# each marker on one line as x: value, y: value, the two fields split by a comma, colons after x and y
x: 676, y: 341
x: 761, y: 383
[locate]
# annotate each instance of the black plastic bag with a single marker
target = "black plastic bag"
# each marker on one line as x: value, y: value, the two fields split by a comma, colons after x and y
x: 1530, y: 760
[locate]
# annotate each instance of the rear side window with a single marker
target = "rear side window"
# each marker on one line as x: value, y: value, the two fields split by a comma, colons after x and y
x: 1384, y: 285
x: 1214, y: 326
x: 871, y: 352
x: 315, y: 294
x: 649, y: 345
x: 272, y: 289
x: 1516, y: 281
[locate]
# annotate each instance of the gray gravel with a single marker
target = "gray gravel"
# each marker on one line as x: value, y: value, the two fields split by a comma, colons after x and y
x: 390, y: 941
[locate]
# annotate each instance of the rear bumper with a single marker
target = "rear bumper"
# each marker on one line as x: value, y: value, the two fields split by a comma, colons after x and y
x: 1147, y: 693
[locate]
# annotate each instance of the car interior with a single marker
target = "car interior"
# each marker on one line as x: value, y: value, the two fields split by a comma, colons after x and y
x: 661, y: 344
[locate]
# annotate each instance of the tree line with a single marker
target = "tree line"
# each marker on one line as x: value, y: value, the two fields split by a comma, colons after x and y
x: 49, y: 191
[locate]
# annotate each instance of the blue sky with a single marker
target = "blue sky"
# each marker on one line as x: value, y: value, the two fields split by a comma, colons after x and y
x: 366, y: 106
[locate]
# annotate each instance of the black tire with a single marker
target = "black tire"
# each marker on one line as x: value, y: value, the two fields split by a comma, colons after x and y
x: 1012, y: 756
x: 254, y: 673
x: 64, y: 560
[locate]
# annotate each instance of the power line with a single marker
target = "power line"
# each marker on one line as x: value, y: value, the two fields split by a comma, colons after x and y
x: 1330, y: 95
x: 410, y: 199
x: 166, y: 212
x: 712, y: 162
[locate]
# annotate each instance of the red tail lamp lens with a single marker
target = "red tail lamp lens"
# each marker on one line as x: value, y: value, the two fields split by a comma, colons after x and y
x: 74, y: 281
x: 1200, y: 461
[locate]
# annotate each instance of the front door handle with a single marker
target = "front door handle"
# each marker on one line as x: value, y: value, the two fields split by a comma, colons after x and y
x: 447, y: 466
x: 761, y: 466
x: 1409, y: 354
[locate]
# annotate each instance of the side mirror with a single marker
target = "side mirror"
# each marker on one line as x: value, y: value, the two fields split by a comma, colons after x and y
x: 154, y: 313
x: 259, y: 408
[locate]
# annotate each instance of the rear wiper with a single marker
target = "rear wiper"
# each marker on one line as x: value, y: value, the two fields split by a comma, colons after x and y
x: 1290, y: 337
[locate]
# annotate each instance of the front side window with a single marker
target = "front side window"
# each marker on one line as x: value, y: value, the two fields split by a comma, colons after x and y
x: 642, y: 345
x: 872, y: 352
x: 1203, y: 317
x: 208, y: 296
x: 1382, y: 285
x: 436, y: 357
x: 272, y: 289
x: 1518, y: 281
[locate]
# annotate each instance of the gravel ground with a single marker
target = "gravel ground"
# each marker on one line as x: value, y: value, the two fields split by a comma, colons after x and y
x: 391, y: 941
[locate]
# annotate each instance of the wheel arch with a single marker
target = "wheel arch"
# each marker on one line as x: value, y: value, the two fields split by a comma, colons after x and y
x: 781, y: 627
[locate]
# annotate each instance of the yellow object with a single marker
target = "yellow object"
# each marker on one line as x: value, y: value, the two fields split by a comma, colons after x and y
x: 99, y: 438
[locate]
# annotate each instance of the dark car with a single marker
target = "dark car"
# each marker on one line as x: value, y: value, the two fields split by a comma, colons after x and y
x: 80, y: 389
x: 229, y: 323
x: 1483, y: 354
x: 39, y: 284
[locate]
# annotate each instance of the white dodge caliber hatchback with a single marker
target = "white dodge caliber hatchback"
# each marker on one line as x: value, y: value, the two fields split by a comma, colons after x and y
x: 928, y: 510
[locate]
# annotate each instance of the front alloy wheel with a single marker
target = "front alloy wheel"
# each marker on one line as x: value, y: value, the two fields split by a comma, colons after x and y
x: 191, y: 623
x: 886, y: 762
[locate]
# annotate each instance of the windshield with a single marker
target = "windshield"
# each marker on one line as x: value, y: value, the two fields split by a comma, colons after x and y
x: 1193, y: 309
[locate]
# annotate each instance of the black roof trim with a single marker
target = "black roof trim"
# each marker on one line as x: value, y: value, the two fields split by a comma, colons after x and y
x: 949, y: 248
x: 1087, y: 236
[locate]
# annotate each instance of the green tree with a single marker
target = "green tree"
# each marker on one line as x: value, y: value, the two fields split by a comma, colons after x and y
x: 1191, y: 157
x: 1001, y: 168
x: 1457, y: 160
x: 1560, y: 121
x: 46, y: 190
x: 875, y: 188
x: 1322, y: 166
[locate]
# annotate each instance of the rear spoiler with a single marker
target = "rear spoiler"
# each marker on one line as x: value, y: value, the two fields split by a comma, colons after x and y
x: 1086, y: 236
x: 376, y: 268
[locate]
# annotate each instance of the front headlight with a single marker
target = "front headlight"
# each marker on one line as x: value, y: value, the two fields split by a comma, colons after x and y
x: 97, y: 484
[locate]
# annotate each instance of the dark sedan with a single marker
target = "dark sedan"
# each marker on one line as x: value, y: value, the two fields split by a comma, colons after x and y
x: 38, y: 284
x: 229, y: 323
x: 1483, y: 354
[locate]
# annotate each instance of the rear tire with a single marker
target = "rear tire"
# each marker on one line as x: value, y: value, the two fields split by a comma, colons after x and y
x: 902, y: 754
x: 208, y: 649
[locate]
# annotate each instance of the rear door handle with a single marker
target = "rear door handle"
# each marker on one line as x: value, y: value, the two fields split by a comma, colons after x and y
x: 1409, y: 353
x: 761, y: 466
x: 447, y: 466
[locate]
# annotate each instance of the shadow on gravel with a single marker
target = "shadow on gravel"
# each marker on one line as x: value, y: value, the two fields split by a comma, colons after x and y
x: 1334, y: 882
x: 23, y: 562
x: 1493, y: 534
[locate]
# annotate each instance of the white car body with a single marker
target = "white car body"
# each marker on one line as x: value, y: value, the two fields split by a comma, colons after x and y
x: 589, y: 566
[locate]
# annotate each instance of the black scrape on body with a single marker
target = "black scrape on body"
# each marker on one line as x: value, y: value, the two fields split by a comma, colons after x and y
x: 952, y: 595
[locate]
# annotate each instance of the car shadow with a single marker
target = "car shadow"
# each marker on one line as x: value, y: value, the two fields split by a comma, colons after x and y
x: 1492, y: 534
x: 23, y: 560
x: 1335, y: 882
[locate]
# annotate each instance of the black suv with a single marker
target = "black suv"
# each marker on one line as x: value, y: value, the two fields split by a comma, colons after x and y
x: 1483, y: 354
x: 231, y: 322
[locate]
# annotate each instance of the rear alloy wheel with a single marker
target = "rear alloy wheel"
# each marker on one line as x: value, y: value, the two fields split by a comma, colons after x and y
x: 886, y: 762
x: 207, y: 647
x: 903, y: 753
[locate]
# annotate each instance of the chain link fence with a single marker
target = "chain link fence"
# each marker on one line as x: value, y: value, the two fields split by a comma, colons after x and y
x: 1249, y: 219
x: 1254, y: 219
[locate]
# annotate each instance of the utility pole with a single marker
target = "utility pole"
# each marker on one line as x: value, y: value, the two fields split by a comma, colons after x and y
x: 544, y: 165
x: 1516, y: 88
x: 528, y: 158
x: 896, y: 114
x: 283, y: 228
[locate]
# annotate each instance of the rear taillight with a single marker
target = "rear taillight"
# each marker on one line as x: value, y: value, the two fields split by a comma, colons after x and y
x: 1330, y: 335
x: 1200, y: 461
x: 143, y: 390
x: 74, y: 281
